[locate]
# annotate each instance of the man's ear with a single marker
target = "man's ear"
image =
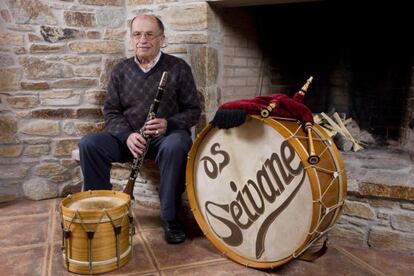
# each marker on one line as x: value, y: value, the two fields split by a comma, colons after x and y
x: 164, y: 41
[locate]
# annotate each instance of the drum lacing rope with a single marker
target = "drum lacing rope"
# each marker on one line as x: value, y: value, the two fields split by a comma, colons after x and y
x: 293, y: 135
x: 89, y: 233
x: 117, y: 231
x: 327, y: 210
x: 319, y: 234
x: 66, y: 234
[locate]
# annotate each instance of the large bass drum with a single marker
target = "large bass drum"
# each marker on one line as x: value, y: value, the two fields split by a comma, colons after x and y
x: 254, y: 194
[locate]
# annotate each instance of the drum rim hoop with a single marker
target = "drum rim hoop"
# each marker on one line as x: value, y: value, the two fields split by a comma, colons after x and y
x: 63, y: 206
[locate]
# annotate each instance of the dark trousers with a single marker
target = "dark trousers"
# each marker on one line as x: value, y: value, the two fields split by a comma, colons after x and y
x: 97, y: 152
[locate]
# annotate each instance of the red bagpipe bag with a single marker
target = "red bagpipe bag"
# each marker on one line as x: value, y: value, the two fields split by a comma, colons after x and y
x: 233, y: 113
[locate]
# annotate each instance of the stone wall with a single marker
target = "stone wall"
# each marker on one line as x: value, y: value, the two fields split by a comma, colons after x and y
x: 55, y: 60
x: 379, y: 210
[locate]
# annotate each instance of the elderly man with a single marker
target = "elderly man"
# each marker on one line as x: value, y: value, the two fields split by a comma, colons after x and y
x: 131, y: 91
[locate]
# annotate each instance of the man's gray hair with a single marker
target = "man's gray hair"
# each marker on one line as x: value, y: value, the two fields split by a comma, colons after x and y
x: 159, y: 22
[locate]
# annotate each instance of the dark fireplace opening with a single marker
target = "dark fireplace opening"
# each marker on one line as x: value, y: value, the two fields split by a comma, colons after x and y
x: 360, y: 57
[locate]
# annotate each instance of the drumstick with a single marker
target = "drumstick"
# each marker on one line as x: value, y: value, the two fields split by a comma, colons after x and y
x: 313, y: 158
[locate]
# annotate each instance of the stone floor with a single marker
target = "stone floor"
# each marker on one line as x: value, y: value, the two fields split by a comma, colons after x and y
x: 30, y: 240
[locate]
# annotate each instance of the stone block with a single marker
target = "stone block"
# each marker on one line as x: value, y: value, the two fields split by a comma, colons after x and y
x: 16, y: 171
x: 8, y: 126
x: 79, y: 19
x: 19, y: 50
x: 5, y: 15
x: 87, y: 71
x: 204, y: 61
x: 93, y: 34
x: 59, y: 98
x: 403, y: 221
x: 387, y: 239
x: 64, y: 147
x: 82, y: 60
x: 74, y: 83
x: 83, y: 128
x: 381, y: 190
x: 388, y: 177
x: 55, y: 34
x: 23, y: 101
x: 48, y: 169
x: 358, y: 209
x: 139, y: 2
x: 186, y: 17
x: 89, y: 113
x: 9, y: 190
x: 36, y: 150
x: 40, y: 127
x: 34, y: 38
x: 187, y: 39
x: 38, y: 188
x: 102, y: 2
x: 407, y: 206
x: 91, y: 47
x: 47, y: 49
x: 11, y: 38
x: 11, y: 150
x: 347, y: 235
x: 41, y: 85
x: 114, y: 34
x: 10, y: 79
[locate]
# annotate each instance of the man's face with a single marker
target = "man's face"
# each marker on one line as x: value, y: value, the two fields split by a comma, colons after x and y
x: 146, y: 38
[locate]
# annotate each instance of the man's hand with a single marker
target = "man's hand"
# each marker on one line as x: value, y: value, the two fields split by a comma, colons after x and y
x: 136, y: 144
x: 155, y: 127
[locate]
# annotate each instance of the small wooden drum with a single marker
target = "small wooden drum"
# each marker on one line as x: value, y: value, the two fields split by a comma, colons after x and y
x: 97, y: 231
x: 254, y: 194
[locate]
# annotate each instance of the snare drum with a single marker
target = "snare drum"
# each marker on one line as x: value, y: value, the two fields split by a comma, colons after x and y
x: 254, y: 194
x: 97, y: 231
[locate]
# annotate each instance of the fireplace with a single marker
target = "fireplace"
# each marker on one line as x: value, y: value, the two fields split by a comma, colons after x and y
x: 360, y: 59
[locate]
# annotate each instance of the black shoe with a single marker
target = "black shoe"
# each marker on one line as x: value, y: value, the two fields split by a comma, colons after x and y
x: 174, y: 232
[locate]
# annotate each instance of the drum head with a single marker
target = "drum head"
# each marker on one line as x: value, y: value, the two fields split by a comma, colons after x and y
x: 96, y: 203
x: 250, y: 192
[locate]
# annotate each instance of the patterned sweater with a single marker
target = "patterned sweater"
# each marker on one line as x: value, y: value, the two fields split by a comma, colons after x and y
x: 131, y: 93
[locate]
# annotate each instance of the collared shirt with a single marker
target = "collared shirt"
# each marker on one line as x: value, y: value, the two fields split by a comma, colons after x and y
x: 151, y: 64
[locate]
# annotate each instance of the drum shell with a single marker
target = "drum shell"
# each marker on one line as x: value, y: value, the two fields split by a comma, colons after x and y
x: 326, y: 191
x: 104, y: 240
